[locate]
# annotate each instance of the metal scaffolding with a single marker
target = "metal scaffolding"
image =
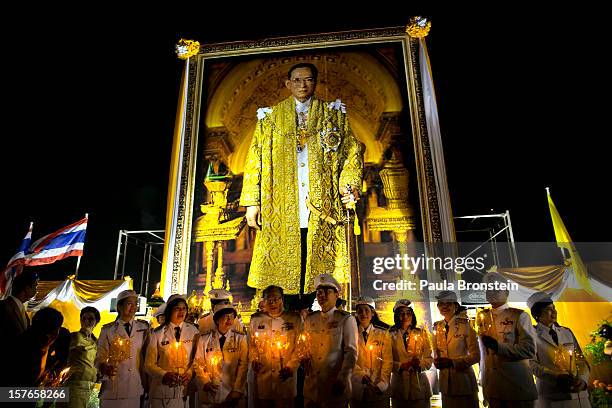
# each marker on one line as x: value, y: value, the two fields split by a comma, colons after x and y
x: 141, y: 244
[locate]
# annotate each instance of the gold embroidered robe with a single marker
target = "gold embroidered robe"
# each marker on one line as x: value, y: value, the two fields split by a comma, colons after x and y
x: 270, y: 181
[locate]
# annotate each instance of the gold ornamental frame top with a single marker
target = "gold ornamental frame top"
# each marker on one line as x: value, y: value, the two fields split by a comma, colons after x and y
x: 435, y: 223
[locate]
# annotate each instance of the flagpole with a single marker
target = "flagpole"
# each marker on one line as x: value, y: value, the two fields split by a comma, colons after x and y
x: 563, y: 255
x: 78, y: 263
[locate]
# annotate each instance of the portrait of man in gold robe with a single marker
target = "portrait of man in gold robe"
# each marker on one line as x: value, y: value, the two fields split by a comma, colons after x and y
x: 303, y: 166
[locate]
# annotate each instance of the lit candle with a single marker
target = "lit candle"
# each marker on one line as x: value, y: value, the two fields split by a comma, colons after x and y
x: 371, y: 348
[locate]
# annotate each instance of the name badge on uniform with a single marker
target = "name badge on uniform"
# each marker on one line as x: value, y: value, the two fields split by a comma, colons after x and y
x: 209, y: 349
x: 288, y: 326
x: 165, y: 342
x: 507, y: 322
x: 332, y: 325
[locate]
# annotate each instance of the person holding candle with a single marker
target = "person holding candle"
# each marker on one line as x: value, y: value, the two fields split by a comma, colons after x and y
x: 223, y: 352
x: 411, y: 357
x: 509, y: 345
x: 561, y: 372
x: 372, y: 374
x: 274, y: 386
x: 81, y: 359
x: 170, y: 355
x: 456, y: 350
x: 332, y: 338
x: 123, y: 382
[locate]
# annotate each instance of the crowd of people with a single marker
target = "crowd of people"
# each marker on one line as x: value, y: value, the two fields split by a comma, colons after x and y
x: 323, y: 358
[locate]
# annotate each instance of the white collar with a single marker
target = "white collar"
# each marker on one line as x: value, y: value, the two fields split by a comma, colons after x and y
x: 367, y: 329
x: 302, y: 106
x: 330, y: 312
x: 173, y: 326
x: 131, y: 322
x: 500, y: 309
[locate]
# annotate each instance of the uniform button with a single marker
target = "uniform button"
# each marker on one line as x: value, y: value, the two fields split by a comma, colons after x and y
x: 129, y: 369
x: 302, y: 164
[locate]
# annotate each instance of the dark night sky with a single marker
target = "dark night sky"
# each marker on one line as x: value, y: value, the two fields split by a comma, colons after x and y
x: 88, y: 119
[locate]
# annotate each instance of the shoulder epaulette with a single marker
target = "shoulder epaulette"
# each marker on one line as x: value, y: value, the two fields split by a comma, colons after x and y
x: 159, y: 328
x: 194, y: 325
x: 313, y: 312
x: 462, y: 319
x: 379, y: 327
x: 343, y: 312
x: 143, y: 321
x: 109, y: 325
x: 257, y: 314
x: 240, y: 332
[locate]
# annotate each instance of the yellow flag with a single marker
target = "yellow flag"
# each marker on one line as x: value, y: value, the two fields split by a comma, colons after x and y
x: 565, y: 241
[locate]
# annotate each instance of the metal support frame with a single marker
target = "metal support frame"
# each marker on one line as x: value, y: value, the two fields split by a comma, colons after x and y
x: 146, y: 239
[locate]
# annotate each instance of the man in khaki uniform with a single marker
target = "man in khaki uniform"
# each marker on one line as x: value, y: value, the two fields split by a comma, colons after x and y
x: 456, y: 350
x: 507, y: 348
x: 332, y: 336
x: 274, y: 386
x: 122, y: 382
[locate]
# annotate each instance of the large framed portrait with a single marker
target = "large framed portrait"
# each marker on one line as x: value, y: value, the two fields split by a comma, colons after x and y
x: 375, y: 77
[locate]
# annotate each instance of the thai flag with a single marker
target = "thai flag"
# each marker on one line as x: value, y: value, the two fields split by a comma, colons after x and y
x: 15, y: 265
x: 65, y: 242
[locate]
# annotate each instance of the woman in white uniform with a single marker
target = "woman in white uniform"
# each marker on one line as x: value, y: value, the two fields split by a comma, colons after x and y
x: 170, y: 356
x: 411, y: 357
x: 456, y: 350
x: 561, y: 371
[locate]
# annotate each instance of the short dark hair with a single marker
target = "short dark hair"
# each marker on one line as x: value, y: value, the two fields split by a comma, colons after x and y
x: 313, y: 69
x: 169, y: 306
x: 396, y: 317
x: 47, y: 320
x: 270, y: 289
x: 217, y: 316
x: 91, y: 309
x: 536, y: 309
x: 26, y: 278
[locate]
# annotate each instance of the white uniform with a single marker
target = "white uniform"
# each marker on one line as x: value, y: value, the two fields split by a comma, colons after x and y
x: 333, y: 347
x: 506, y: 374
x: 458, y: 383
x: 126, y: 387
x: 263, y: 328
x: 552, y: 360
x: 407, y: 386
x: 162, y: 358
x: 374, y: 359
x: 233, y: 366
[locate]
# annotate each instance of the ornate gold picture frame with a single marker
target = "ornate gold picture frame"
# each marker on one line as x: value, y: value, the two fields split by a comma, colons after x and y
x: 377, y: 75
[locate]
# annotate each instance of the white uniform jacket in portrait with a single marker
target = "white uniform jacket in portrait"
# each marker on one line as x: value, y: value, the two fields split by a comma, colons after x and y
x: 374, y: 359
x: 506, y: 374
x: 551, y: 360
x: 460, y: 344
x: 164, y: 356
x: 408, y: 384
x: 225, y: 367
x: 265, y: 333
x: 129, y: 381
x: 333, y: 347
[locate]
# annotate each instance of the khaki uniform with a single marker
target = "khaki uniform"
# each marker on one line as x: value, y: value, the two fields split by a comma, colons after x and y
x: 333, y: 349
x: 162, y: 358
x: 231, y: 372
x: 552, y: 360
x: 410, y: 387
x: 374, y: 359
x: 81, y: 360
x: 125, y: 388
x: 506, y: 374
x: 458, y: 383
x: 264, y: 328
